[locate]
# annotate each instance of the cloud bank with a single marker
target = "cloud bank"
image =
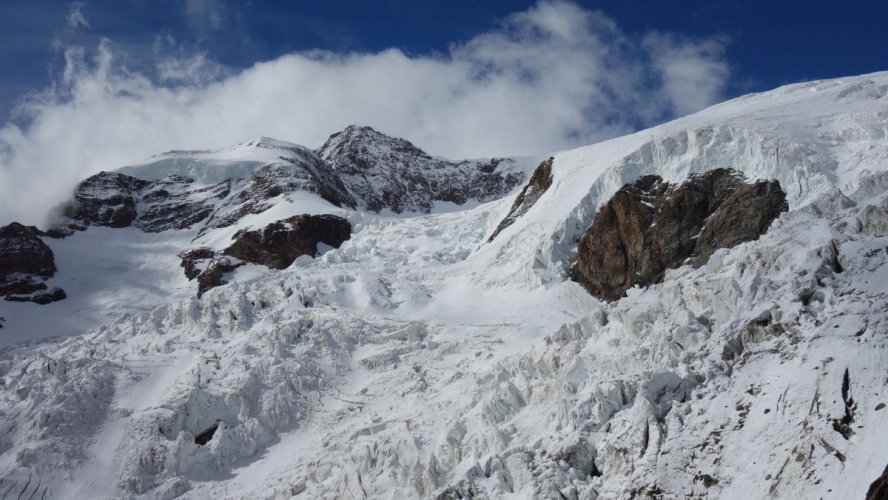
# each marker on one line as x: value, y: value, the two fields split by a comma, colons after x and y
x: 551, y: 77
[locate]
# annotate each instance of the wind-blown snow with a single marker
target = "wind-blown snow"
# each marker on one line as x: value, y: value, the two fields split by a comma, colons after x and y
x: 417, y: 360
x: 210, y: 167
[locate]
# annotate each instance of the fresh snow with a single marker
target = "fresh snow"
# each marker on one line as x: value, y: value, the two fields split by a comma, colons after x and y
x: 418, y: 360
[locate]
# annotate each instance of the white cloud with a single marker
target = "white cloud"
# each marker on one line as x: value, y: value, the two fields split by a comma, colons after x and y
x: 693, y: 72
x: 76, y: 18
x: 548, y: 78
x: 175, y: 64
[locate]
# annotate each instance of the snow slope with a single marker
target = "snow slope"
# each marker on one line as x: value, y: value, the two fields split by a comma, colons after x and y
x: 420, y: 361
x: 110, y: 272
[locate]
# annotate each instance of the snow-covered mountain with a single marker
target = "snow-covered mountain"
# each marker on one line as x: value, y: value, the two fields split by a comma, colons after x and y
x: 696, y: 310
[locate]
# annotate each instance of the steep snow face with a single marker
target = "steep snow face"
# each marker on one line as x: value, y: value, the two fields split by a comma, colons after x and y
x: 202, y: 199
x: 420, y: 361
x: 210, y: 167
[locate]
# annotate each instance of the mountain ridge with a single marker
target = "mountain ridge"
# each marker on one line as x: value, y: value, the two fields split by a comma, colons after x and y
x: 423, y: 358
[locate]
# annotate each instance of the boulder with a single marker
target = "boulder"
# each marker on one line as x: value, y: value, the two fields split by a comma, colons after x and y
x: 650, y: 226
x: 194, y: 261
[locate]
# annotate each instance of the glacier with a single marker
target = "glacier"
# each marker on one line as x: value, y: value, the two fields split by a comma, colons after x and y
x: 420, y: 360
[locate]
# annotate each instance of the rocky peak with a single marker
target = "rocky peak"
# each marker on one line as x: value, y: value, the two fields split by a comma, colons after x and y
x: 650, y: 226
x: 384, y: 172
x: 359, y: 148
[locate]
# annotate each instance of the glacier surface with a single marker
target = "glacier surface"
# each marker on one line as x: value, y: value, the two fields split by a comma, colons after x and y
x: 419, y: 360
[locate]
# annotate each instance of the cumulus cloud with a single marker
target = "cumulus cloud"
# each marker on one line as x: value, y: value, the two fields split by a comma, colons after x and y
x: 693, y: 72
x: 551, y: 77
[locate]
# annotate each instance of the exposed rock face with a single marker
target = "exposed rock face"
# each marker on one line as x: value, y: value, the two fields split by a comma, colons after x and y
x: 878, y: 490
x: 26, y: 262
x: 172, y: 203
x: 746, y: 214
x: 358, y: 168
x: 107, y: 199
x: 538, y: 184
x: 208, y: 267
x: 253, y: 197
x: 386, y: 172
x: 214, y: 273
x: 116, y: 200
x: 194, y: 261
x: 650, y: 226
x: 278, y: 244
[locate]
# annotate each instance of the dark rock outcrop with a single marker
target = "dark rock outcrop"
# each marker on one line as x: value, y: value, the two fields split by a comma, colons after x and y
x: 384, y: 172
x: 358, y: 168
x: 172, y: 203
x: 270, y: 181
x: 878, y: 489
x: 746, y: 214
x: 208, y: 267
x: 194, y: 261
x: 278, y: 244
x: 650, y: 226
x: 26, y: 262
x: 538, y: 184
x: 107, y: 199
x: 214, y: 273
x: 117, y: 200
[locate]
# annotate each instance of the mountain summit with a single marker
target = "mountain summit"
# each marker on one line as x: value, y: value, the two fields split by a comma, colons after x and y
x: 697, y: 310
x: 390, y: 173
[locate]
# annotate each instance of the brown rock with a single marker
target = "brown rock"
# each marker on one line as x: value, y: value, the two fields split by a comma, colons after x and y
x: 745, y: 215
x: 193, y: 260
x: 650, y: 226
x: 538, y: 184
x: 278, y: 244
x: 214, y: 274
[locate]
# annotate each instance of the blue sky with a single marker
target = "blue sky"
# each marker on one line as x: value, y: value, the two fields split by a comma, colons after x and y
x: 97, y: 84
x: 767, y: 43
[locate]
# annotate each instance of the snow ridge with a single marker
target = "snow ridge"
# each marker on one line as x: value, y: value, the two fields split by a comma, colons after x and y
x: 419, y: 360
